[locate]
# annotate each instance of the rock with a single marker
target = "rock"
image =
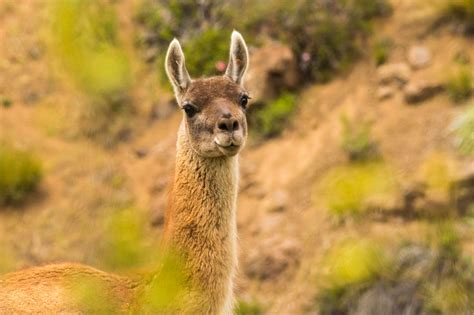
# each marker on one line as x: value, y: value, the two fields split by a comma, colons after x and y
x: 277, y: 201
x: 271, y: 258
x: 273, y: 68
x: 141, y: 152
x: 394, y: 73
x: 419, y: 57
x: 421, y: 90
x: 385, y: 92
x: 382, y: 299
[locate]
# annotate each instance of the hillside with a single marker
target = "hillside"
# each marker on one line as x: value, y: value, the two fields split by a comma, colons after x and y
x: 287, y: 231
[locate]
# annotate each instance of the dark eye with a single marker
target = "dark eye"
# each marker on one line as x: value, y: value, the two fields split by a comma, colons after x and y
x: 244, y: 99
x: 190, y: 110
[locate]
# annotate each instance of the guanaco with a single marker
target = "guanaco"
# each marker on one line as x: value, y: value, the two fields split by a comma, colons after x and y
x: 201, y: 214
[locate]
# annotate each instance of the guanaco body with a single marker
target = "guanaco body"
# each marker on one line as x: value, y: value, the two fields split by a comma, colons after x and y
x: 201, y: 214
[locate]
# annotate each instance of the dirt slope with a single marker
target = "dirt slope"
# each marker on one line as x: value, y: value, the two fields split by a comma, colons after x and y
x: 83, y: 181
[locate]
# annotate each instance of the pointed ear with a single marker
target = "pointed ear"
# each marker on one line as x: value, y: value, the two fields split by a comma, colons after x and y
x: 176, y: 68
x: 238, y: 59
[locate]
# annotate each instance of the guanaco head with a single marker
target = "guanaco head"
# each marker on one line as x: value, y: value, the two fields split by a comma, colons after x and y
x: 213, y: 108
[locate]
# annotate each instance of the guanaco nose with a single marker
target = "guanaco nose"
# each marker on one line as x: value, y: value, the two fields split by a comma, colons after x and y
x: 227, y: 123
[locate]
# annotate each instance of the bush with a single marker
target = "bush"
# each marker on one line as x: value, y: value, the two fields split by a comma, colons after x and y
x: 200, y: 27
x: 351, y: 189
x: 248, y: 308
x: 85, y: 41
x: 460, y: 84
x: 437, y: 172
x: 269, y: 120
x: 356, y: 141
x: 20, y: 174
x: 349, y: 267
x: 205, y: 51
x: 381, y: 50
x: 461, y: 11
x: 124, y: 246
x: 464, y: 130
x: 416, y: 279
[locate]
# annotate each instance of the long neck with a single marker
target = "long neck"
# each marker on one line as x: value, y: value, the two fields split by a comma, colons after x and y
x: 201, y: 223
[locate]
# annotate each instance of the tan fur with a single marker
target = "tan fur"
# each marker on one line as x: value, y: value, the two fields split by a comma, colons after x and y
x: 50, y: 289
x: 200, y: 218
x: 203, y: 226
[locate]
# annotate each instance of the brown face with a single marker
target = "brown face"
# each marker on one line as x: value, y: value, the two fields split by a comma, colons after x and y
x: 214, y: 108
x: 214, y: 116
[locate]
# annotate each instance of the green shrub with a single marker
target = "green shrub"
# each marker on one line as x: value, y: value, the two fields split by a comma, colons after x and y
x: 437, y: 172
x: 268, y: 120
x: 461, y: 84
x: 5, y: 101
x: 124, y: 246
x: 381, y: 50
x: 349, y: 267
x: 352, y: 261
x: 248, y: 308
x: 352, y: 189
x: 205, y: 40
x: 20, y: 174
x: 204, y: 51
x: 356, y: 141
x: 85, y: 41
x: 464, y: 130
x: 461, y: 11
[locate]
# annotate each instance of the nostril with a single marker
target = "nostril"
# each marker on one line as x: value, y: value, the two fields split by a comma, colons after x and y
x: 235, y: 125
x: 222, y: 126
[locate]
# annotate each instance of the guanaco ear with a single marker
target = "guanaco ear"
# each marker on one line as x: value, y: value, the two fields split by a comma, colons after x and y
x: 238, y: 59
x: 176, y: 68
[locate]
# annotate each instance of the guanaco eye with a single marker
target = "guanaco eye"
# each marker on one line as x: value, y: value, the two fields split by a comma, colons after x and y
x: 190, y: 110
x: 244, y: 99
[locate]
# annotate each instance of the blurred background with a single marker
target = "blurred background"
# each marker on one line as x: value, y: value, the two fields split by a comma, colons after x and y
x: 357, y: 186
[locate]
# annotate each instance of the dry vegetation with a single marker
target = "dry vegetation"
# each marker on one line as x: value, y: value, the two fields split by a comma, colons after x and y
x: 349, y: 203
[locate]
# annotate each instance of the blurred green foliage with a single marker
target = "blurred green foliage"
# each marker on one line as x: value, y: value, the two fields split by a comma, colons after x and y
x: 199, y: 25
x: 437, y: 172
x: 356, y: 139
x: 20, y: 174
x: 5, y: 101
x: 85, y: 39
x: 350, y: 189
x: 168, y: 288
x: 452, y: 292
x: 248, y: 308
x: 348, y: 267
x: 203, y: 52
x: 352, y: 261
x: 461, y: 83
x: 461, y: 11
x: 269, y: 120
x: 381, y: 50
x: 126, y: 249
x: 124, y: 244
x: 360, y: 277
x: 464, y: 130
x: 92, y: 295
